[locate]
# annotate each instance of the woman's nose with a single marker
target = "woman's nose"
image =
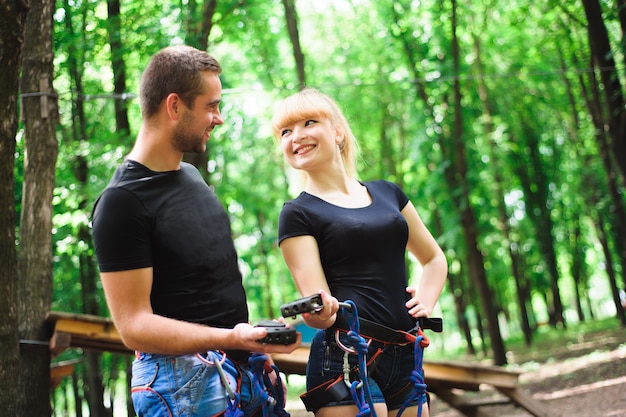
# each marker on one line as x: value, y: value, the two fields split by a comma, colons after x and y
x: 298, y: 134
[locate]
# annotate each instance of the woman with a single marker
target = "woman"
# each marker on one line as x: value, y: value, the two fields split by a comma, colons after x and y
x: 347, y: 240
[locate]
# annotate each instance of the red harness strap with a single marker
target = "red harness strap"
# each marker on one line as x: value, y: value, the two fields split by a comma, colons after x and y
x: 336, y: 389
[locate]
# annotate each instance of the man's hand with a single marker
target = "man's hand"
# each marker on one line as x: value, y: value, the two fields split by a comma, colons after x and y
x: 249, y: 337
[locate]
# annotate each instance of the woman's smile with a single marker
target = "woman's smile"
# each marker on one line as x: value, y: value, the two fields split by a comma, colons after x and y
x: 303, y: 149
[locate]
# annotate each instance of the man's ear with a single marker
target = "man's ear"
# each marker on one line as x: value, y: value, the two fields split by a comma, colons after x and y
x: 172, y: 105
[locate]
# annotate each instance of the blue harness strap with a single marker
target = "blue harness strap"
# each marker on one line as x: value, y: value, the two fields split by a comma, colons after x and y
x: 359, y: 389
x: 264, y: 386
x: 417, y: 376
x: 270, y: 393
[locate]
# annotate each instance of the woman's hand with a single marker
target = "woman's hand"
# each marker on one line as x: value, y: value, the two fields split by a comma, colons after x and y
x: 415, y: 306
x: 327, y: 315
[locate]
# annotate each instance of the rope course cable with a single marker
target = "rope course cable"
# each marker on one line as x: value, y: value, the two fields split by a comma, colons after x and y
x: 434, y: 78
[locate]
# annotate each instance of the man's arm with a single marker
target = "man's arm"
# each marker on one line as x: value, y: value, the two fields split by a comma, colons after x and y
x: 128, y: 297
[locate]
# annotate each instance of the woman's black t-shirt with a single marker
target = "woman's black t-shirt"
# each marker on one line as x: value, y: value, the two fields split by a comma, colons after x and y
x: 362, y: 250
x: 174, y: 223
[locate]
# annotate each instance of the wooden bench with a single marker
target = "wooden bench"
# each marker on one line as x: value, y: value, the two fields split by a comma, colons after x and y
x: 447, y: 380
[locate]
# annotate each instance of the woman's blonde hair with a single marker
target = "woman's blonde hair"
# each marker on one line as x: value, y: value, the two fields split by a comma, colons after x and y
x: 312, y: 104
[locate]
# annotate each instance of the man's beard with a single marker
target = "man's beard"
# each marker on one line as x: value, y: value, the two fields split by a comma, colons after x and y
x: 186, y: 140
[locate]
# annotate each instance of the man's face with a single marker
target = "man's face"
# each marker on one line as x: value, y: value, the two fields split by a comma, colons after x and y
x: 198, y: 121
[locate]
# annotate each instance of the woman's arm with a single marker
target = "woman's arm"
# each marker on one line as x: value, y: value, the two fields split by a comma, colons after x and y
x: 425, y: 248
x: 301, y: 254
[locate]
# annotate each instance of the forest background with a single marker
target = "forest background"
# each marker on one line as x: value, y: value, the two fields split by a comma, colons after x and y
x: 504, y: 122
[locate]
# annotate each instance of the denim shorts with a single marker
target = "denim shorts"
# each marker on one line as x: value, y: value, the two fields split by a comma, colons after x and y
x: 388, y: 376
x: 190, y: 386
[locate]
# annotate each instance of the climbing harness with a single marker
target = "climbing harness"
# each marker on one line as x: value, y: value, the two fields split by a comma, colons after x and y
x: 271, y: 394
x: 359, y: 389
x: 360, y: 332
x: 262, y: 369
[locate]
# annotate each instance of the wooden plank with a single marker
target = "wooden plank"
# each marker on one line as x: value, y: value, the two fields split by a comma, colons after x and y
x: 451, y: 374
x: 85, y: 331
x: 526, y: 401
x: 294, y: 362
x: 433, y: 384
x: 53, y: 316
x: 59, y: 342
x: 459, y: 403
x: 99, y: 333
x: 464, y: 373
x: 60, y: 370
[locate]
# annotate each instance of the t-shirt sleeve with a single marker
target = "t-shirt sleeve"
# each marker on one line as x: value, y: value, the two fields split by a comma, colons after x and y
x: 121, y: 231
x: 292, y: 222
x: 401, y: 197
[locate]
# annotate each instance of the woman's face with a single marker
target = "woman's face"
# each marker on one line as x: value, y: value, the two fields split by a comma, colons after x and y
x: 310, y: 143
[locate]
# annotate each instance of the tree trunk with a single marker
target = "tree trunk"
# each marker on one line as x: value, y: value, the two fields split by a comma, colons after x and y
x: 12, y: 18
x: 78, y: 398
x: 128, y: 366
x: 459, y: 293
x: 35, y: 251
x: 461, y: 307
x: 456, y: 174
x: 76, y: 76
x: 458, y: 179
x: 122, y: 127
x: 588, y: 200
x: 535, y: 183
x: 291, y: 17
x: 613, y: 96
x: 592, y: 100
x: 577, y: 269
x: 610, y: 271
x: 504, y: 225
x: 93, y: 387
x: 198, y: 36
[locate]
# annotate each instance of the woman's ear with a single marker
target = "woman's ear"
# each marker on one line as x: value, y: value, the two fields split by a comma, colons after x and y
x: 339, y: 136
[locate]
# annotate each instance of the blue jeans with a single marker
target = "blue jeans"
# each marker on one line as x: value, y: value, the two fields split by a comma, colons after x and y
x: 389, y: 376
x: 190, y: 386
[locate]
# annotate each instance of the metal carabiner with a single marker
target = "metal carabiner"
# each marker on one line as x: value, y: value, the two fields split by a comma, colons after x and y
x: 346, y: 372
x: 218, y: 364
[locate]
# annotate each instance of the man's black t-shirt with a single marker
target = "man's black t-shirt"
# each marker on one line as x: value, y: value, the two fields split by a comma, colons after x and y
x: 362, y: 250
x: 173, y: 222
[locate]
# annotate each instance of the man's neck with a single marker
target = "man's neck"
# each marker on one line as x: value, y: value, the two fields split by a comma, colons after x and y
x: 155, y: 152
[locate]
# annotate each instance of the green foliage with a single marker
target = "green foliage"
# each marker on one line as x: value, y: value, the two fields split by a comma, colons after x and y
x: 533, y: 63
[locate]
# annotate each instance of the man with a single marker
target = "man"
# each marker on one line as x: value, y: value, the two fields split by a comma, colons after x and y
x: 166, y: 256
